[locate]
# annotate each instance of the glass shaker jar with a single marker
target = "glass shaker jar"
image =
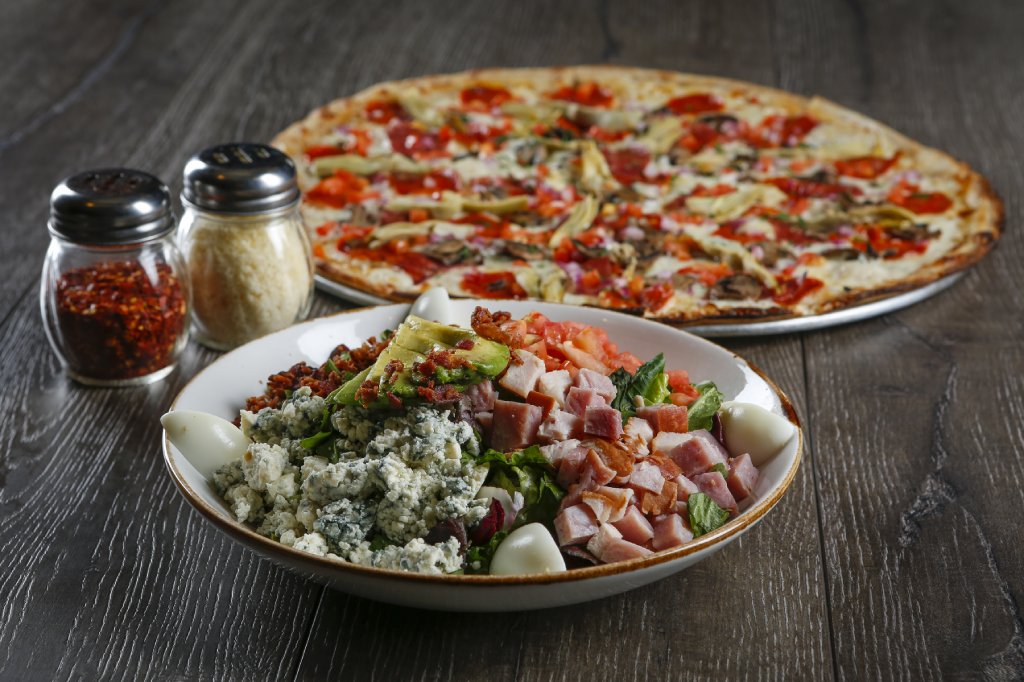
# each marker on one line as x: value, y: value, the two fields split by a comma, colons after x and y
x: 247, y: 251
x: 114, y: 295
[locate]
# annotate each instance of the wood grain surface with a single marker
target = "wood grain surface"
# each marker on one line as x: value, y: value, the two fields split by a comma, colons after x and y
x: 895, y: 555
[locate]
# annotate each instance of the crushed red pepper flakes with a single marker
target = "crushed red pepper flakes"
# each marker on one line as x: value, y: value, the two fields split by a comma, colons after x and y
x: 119, y: 319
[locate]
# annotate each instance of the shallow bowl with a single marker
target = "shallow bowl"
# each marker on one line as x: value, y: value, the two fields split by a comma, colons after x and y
x: 222, y: 388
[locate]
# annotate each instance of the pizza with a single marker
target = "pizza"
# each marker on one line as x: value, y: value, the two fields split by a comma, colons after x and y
x: 683, y: 198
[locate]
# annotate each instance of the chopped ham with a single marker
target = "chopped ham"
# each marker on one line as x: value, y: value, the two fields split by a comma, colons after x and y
x: 608, y: 504
x: 608, y: 546
x: 577, y: 400
x: 602, y: 421
x: 634, y: 526
x: 481, y: 396
x: 514, y: 425
x: 639, y: 429
x: 647, y: 476
x: 685, y: 487
x: 742, y: 477
x: 698, y: 453
x: 714, y: 486
x: 669, y: 531
x: 588, y: 378
x: 559, y: 425
x: 522, y: 374
x: 595, y: 471
x: 667, y: 441
x: 665, y: 417
x: 484, y: 420
x: 575, y: 525
x: 555, y: 384
x: 555, y: 452
x: 570, y: 466
x: 544, y: 402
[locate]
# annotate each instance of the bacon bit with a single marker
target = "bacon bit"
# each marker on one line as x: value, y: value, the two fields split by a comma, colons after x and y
x: 668, y: 468
x: 499, y: 327
x: 465, y: 344
x: 394, y: 400
x: 614, y: 455
x: 321, y: 380
x: 660, y: 504
x: 391, y: 369
x: 367, y: 392
x: 438, y: 393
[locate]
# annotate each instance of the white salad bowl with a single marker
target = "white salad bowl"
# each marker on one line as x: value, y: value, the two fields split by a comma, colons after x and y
x: 222, y: 388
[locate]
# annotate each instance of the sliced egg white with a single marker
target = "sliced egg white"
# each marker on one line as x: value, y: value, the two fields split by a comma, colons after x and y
x: 207, y: 441
x: 435, y: 305
x: 529, y: 549
x: 751, y: 429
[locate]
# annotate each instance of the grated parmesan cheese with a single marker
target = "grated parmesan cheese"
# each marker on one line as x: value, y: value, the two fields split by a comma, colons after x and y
x: 250, y: 276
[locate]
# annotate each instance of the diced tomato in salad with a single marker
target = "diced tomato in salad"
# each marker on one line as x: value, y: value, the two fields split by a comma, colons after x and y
x: 574, y: 346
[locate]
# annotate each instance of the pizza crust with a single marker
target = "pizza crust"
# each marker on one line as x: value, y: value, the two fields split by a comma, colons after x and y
x: 979, y: 229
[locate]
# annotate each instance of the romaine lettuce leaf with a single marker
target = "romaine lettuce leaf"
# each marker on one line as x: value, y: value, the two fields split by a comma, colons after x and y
x: 478, y: 557
x: 705, y: 515
x: 649, y: 382
x: 529, y: 473
x: 703, y: 409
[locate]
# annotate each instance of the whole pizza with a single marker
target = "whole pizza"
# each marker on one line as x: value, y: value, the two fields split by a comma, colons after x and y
x: 683, y: 198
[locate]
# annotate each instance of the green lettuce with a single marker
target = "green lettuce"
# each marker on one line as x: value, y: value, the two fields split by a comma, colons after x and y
x: 704, y: 408
x: 478, y: 557
x: 649, y: 382
x: 529, y: 473
x: 705, y: 515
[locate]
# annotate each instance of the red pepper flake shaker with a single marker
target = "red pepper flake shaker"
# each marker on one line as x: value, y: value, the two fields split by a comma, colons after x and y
x: 114, y: 294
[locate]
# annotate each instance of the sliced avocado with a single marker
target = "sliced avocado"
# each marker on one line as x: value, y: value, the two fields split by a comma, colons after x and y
x: 401, y: 383
x: 412, y: 341
x: 409, y: 337
x: 487, y: 357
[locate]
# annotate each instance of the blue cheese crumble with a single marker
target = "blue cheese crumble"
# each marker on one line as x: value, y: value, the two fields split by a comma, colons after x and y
x: 369, y: 495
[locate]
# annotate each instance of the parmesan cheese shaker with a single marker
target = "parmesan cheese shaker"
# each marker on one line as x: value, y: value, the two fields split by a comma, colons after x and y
x: 247, y: 250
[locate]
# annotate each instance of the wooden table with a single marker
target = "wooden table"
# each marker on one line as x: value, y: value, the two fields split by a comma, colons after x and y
x: 897, y: 552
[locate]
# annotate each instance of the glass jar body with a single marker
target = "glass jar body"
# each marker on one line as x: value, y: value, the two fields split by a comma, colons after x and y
x: 115, y: 315
x: 251, y: 274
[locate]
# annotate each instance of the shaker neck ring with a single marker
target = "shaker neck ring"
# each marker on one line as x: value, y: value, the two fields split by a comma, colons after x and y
x: 262, y: 213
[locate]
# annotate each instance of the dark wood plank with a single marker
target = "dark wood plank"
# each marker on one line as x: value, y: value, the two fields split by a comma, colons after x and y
x: 106, y: 572
x: 916, y: 416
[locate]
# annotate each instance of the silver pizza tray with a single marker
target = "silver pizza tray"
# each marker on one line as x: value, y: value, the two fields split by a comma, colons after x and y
x: 787, y: 326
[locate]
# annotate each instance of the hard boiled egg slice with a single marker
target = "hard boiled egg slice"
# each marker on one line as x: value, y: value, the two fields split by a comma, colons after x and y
x: 207, y: 441
x: 434, y: 304
x: 752, y: 429
x: 529, y: 549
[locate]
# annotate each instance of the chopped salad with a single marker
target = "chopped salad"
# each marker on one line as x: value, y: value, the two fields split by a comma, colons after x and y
x: 515, y: 445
